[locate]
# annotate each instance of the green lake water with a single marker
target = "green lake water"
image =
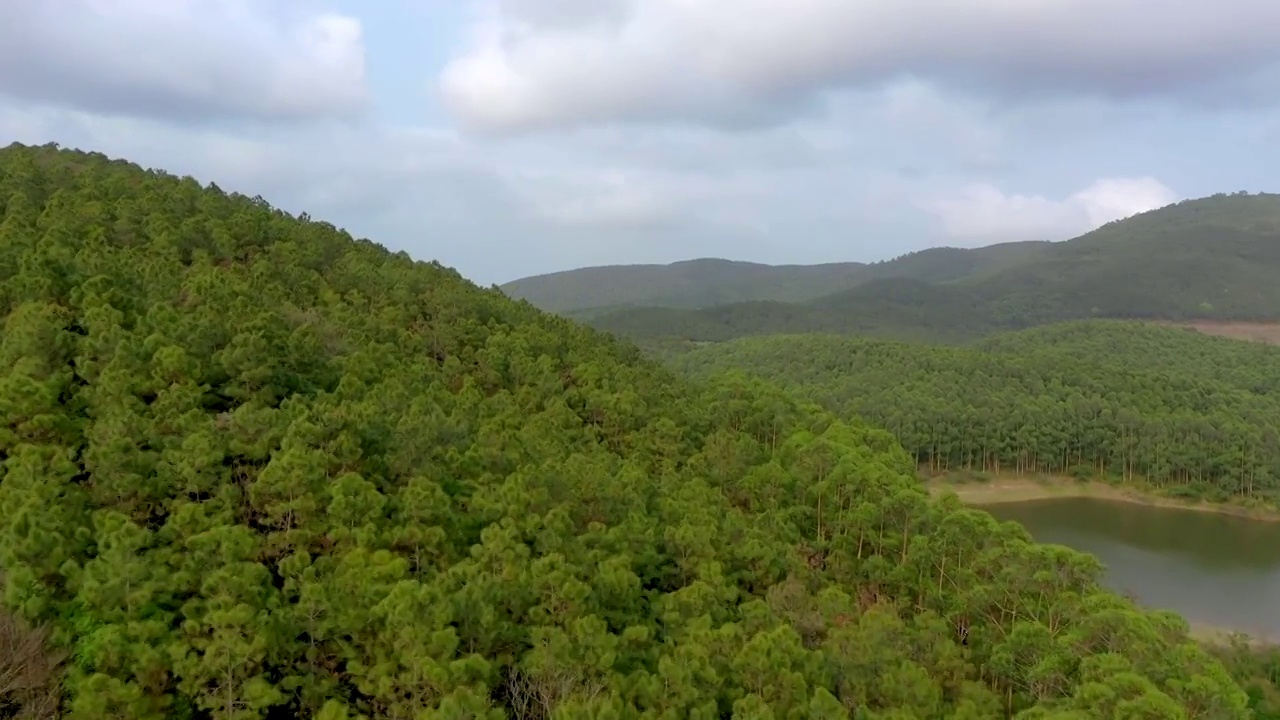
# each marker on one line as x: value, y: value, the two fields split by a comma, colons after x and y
x: 1213, y: 569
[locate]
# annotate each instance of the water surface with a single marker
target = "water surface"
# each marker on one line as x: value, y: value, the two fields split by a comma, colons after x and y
x: 1213, y: 569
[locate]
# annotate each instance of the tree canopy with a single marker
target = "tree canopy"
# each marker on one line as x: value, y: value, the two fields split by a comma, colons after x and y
x: 1192, y: 415
x: 255, y: 468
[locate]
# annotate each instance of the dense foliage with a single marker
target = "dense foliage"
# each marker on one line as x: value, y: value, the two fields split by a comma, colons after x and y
x: 1191, y: 414
x: 1258, y: 669
x: 898, y: 309
x: 253, y: 468
x: 1212, y: 258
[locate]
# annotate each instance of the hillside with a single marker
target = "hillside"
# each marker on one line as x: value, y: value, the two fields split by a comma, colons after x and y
x: 710, y: 282
x: 895, y: 309
x: 1212, y: 259
x: 254, y: 468
x: 1189, y: 415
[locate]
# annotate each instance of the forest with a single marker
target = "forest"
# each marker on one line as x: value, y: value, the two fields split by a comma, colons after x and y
x: 256, y: 468
x: 1184, y: 413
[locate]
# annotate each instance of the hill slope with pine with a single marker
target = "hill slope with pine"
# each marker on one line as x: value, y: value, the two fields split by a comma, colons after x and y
x: 1207, y: 259
x: 255, y: 468
x: 1177, y: 411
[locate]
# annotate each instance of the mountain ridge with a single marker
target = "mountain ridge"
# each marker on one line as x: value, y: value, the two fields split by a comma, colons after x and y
x: 707, y: 282
x: 1209, y: 259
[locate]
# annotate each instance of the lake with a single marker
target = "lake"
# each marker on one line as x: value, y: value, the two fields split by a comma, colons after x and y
x: 1212, y: 569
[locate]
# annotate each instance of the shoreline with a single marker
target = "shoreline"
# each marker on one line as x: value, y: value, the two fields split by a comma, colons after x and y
x: 1008, y: 489
x: 1003, y: 489
x: 1221, y: 637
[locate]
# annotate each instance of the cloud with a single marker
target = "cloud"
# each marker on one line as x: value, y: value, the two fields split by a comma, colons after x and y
x: 495, y: 212
x: 412, y: 189
x: 598, y: 199
x: 843, y: 187
x: 845, y: 183
x: 546, y: 63
x: 983, y: 213
x: 186, y: 60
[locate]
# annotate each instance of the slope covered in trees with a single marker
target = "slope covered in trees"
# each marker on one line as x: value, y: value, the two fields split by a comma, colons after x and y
x: 1190, y: 414
x: 891, y: 309
x: 1207, y: 259
x: 709, y: 282
x: 253, y: 468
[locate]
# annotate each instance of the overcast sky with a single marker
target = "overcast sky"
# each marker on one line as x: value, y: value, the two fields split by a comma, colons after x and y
x: 514, y: 137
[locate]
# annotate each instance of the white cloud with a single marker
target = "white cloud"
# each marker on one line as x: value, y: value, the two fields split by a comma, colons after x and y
x: 411, y: 189
x: 983, y: 213
x: 608, y: 198
x: 821, y: 189
x: 840, y: 184
x: 184, y: 59
x: 539, y: 63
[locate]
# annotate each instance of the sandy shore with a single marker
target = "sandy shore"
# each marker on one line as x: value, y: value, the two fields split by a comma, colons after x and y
x: 1213, y: 635
x: 1014, y: 489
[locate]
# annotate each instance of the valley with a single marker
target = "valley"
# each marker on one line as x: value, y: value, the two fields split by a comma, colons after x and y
x: 620, y: 360
x: 1103, y: 392
x: 255, y: 467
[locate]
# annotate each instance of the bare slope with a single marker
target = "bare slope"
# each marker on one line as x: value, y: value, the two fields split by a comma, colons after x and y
x: 1263, y: 332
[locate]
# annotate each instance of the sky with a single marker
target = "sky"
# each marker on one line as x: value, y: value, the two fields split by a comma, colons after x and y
x: 508, y: 138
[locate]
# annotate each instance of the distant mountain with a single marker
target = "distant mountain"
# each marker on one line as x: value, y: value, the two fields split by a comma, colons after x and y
x: 689, y: 284
x: 1215, y: 258
x: 710, y: 282
x: 950, y: 264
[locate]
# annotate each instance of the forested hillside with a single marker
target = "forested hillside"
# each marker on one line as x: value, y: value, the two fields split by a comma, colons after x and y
x: 253, y: 468
x: 898, y: 309
x: 1192, y: 415
x: 709, y: 282
x: 1208, y: 259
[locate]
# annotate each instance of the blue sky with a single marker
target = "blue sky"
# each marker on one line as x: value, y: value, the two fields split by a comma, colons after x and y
x: 516, y: 137
x: 407, y: 43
